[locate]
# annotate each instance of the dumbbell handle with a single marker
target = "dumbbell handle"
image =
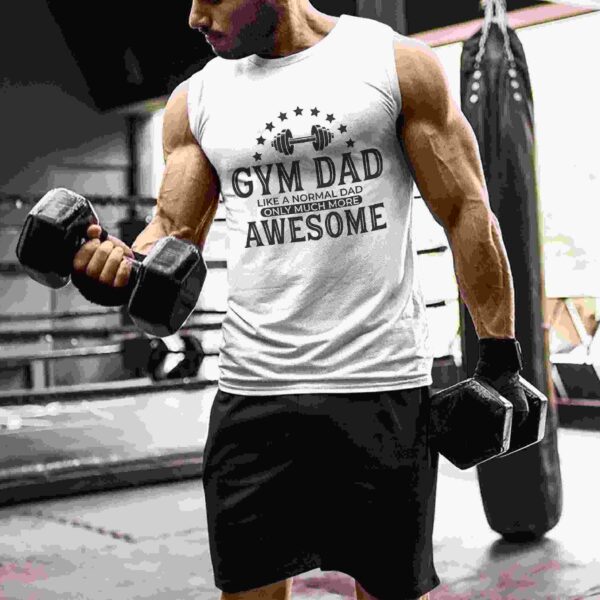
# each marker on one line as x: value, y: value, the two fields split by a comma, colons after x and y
x: 304, y: 140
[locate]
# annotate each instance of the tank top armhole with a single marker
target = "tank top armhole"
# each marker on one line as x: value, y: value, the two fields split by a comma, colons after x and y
x: 194, y: 105
x: 392, y: 70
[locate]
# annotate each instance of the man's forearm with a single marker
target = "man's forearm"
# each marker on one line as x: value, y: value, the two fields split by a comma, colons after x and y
x: 154, y: 231
x: 187, y: 200
x: 147, y: 238
x: 483, y: 272
x: 157, y: 229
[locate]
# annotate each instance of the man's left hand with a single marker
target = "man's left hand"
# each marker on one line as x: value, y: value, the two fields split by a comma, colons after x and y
x: 499, y: 366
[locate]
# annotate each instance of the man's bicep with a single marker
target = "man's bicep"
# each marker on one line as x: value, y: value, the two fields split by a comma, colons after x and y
x: 438, y: 141
x: 189, y: 190
x: 189, y: 194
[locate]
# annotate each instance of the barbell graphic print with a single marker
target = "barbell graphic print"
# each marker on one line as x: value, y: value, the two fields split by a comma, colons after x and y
x: 284, y: 143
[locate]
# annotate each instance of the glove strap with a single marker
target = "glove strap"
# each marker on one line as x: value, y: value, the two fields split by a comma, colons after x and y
x: 501, y: 354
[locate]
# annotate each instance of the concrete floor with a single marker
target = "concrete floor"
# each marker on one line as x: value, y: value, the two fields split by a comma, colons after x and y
x: 151, y: 543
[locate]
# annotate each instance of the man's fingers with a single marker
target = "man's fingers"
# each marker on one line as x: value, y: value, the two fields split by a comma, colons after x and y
x: 120, y: 244
x: 99, y: 259
x: 520, y: 416
x: 95, y: 231
x: 85, y: 254
x: 111, y: 266
x: 106, y: 262
x: 516, y: 397
x: 123, y: 274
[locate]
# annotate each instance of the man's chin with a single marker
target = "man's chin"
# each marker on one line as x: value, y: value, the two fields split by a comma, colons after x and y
x: 224, y: 50
x: 219, y: 47
x: 230, y: 54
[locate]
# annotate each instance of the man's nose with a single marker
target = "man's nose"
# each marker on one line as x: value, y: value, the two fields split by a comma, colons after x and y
x: 199, y: 18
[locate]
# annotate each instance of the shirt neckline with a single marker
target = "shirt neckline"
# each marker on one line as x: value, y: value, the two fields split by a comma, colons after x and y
x: 282, y: 61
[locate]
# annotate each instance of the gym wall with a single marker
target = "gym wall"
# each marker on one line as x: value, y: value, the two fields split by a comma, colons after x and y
x: 59, y: 72
x: 56, y: 137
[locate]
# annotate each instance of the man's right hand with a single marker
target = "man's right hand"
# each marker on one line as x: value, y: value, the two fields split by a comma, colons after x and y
x: 106, y: 262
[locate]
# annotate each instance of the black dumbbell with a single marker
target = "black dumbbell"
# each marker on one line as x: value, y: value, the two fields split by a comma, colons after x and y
x: 164, y: 287
x: 320, y: 139
x: 470, y: 422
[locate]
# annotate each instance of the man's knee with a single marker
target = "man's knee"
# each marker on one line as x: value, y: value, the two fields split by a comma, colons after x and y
x: 282, y: 590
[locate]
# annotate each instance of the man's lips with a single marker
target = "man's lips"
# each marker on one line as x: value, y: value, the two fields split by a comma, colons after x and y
x: 213, y: 37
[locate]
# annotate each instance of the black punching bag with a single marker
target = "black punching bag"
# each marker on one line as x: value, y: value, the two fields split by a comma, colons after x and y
x: 522, y: 493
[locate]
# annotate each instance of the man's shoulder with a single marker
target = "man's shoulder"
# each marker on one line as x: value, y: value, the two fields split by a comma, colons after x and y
x: 176, y: 125
x: 414, y: 57
x: 181, y: 88
x: 421, y: 75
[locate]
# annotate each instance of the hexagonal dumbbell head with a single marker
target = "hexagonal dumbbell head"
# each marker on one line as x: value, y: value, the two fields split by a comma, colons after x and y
x: 470, y: 423
x: 54, y: 230
x: 168, y: 287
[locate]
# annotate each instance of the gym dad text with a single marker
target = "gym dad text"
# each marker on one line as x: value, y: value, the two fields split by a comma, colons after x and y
x: 333, y: 224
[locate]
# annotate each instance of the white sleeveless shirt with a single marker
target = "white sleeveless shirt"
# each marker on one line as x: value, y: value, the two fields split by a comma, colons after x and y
x: 323, y: 295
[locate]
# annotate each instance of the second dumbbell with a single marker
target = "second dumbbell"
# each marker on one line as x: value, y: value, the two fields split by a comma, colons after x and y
x: 284, y: 142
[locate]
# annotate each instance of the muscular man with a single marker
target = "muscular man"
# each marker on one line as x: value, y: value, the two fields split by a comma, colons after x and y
x: 313, y: 129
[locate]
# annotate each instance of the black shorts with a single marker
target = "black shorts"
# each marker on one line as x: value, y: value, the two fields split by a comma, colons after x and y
x: 343, y: 482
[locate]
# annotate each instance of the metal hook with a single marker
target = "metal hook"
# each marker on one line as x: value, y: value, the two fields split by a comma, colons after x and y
x: 493, y: 7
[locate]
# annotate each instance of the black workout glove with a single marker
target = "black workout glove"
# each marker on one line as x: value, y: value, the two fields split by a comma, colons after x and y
x: 99, y: 293
x: 499, y: 365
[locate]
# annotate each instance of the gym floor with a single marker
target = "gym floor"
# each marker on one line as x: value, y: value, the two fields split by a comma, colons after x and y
x: 151, y: 543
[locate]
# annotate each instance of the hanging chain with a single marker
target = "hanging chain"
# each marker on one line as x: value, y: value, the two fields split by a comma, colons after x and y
x: 503, y: 23
x: 495, y: 11
x: 487, y: 22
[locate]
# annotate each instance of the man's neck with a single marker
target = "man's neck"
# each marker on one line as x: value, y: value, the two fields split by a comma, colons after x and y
x: 298, y: 29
